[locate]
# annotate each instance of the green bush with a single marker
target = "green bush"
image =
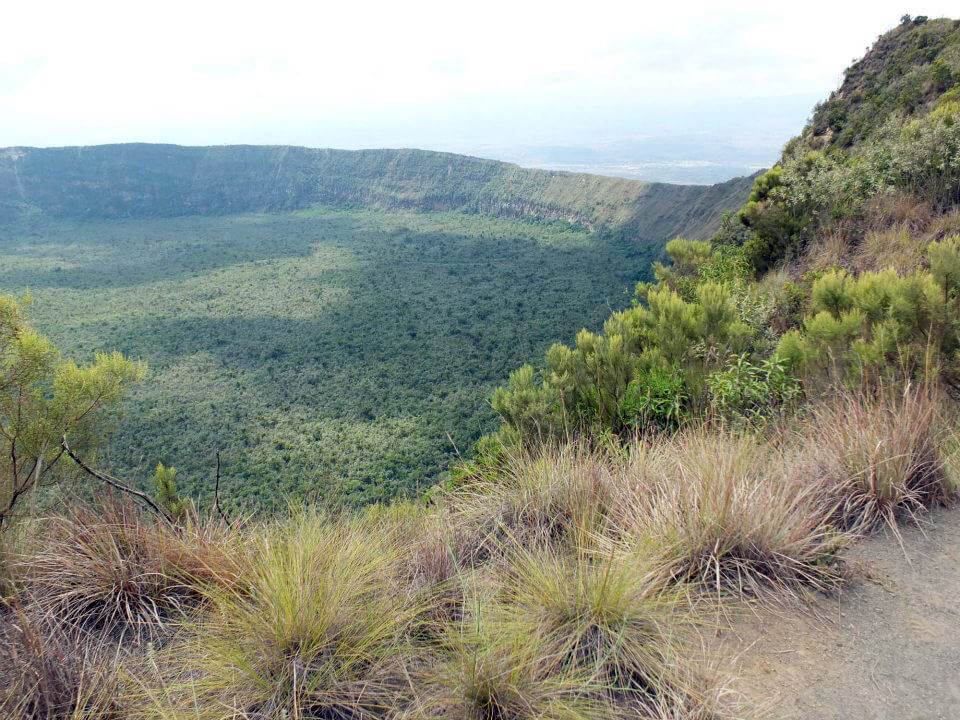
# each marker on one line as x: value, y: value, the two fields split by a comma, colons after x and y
x: 747, y: 390
x: 881, y: 323
x: 644, y: 371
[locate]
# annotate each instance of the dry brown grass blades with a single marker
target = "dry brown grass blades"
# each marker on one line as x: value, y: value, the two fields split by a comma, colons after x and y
x: 874, y: 461
x: 572, y: 584
x: 561, y: 496
x: 47, y: 674
x: 718, y: 510
x: 109, y: 570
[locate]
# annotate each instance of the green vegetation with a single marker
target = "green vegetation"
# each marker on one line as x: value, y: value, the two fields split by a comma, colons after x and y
x: 841, y: 268
x: 907, y: 70
x: 332, y: 355
x: 776, y: 394
x: 45, y: 402
x: 565, y: 585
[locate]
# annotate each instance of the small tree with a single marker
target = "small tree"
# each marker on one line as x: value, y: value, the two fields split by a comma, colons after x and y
x: 45, y: 400
x: 166, y: 493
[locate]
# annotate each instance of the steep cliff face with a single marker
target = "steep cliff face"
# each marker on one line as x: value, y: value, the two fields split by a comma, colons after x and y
x: 142, y: 180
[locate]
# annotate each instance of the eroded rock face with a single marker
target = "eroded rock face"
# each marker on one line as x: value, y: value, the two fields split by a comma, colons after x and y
x: 144, y: 180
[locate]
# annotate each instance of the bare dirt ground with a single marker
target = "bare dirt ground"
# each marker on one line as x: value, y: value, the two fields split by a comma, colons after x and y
x: 888, y: 647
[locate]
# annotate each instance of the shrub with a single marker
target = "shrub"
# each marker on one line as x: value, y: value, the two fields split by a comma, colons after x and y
x: 43, y: 399
x: 643, y: 372
x: 879, y: 324
x: 166, y: 493
x: 751, y: 391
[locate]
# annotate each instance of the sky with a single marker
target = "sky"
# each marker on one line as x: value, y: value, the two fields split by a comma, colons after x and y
x: 443, y: 75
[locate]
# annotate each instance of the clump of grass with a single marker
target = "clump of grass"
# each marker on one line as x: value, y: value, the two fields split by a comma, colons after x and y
x: 10, y: 569
x: 46, y: 674
x: 717, y: 510
x: 109, y: 570
x: 611, y: 617
x: 316, y: 628
x: 895, y: 248
x: 874, y: 460
x: 494, y: 671
x: 563, y: 495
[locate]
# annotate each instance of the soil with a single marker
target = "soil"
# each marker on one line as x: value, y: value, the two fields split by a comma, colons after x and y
x: 887, y: 646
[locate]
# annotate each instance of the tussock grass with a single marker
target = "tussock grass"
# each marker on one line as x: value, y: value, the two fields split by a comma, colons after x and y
x: 612, y: 617
x: 874, y: 460
x: 571, y: 584
x: 109, y: 570
x: 560, y: 496
x: 46, y: 674
x: 316, y: 628
x: 717, y: 511
x: 493, y: 671
x: 10, y: 568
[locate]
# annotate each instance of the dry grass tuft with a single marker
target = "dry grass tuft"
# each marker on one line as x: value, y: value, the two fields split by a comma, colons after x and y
x: 895, y: 248
x: 828, y: 252
x: 898, y: 209
x: 48, y: 675
x: 873, y: 461
x: 316, y: 628
x: 717, y: 512
x: 611, y: 617
x: 489, y: 671
x: 563, y: 496
x: 570, y: 585
x: 945, y: 226
x: 109, y: 570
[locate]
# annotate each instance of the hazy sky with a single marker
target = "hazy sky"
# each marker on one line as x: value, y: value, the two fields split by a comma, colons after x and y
x: 359, y: 74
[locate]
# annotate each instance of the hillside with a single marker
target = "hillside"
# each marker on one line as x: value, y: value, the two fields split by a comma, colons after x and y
x: 906, y: 71
x: 334, y: 322
x: 762, y: 429
x: 140, y: 181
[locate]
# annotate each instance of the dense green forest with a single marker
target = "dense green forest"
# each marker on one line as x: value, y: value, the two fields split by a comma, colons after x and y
x: 335, y: 354
x: 334, y: 321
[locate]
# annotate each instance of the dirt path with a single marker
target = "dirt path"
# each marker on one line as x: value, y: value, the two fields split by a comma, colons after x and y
x: 887, y: 648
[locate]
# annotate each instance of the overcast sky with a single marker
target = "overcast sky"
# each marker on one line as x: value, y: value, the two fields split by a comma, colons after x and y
x: 359, y: 74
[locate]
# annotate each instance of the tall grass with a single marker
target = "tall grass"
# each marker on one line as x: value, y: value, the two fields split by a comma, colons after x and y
x: 109, y: 570
x: 874, y: 461
x: 610, y: 616
x: 539, y: 500
x: 493, y: 671
x: 316, y: 628
x: 47, y: 674
x: 718, y: 511
x: 568, y: 585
